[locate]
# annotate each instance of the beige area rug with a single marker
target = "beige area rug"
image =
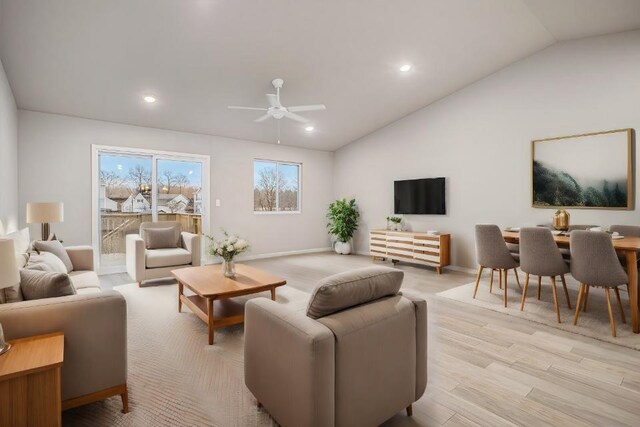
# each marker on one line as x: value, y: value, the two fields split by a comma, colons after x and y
x: 593, y: 323
x: 175, y: 378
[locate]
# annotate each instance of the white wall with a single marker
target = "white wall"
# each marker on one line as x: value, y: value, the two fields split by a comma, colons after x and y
x: 479, y: 139
x: 55, y: 165
x: 8, y: 157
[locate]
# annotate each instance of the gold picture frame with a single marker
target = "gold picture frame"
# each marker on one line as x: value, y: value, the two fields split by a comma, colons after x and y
x: 543, y: 174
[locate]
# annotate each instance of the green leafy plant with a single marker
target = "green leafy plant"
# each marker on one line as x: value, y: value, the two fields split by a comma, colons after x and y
x: 343, y: 219
x: 394, y: 219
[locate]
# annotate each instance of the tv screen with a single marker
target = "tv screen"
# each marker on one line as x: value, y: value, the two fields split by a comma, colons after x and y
x: 420, y: 197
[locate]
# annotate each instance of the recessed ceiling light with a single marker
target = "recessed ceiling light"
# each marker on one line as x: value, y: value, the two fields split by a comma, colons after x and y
x: 405, y: 68
x: 309, y: 128
x: 150, y: 99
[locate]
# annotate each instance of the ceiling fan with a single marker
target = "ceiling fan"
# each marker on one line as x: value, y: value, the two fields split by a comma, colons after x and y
x: 277, y: 111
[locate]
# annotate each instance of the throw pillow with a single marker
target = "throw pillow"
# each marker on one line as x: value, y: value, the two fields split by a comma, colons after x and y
x: 43, y: 284
x: 21, y: 240
x: 160, y: 238
x: 344, y: 290
x: 52, y: 262
x: 56, y: 248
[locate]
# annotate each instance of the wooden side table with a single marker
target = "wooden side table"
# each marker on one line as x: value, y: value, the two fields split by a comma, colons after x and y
x: 30, y: 381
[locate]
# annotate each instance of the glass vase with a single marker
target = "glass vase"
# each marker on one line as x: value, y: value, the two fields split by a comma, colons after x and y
x: 229, y: 268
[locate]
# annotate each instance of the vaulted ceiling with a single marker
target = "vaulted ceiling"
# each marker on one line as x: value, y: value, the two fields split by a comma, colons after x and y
x: 97, y: 59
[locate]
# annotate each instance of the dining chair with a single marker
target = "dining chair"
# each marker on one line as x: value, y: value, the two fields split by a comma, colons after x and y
x: 595, y: 264
x: 540, y: 256
x: 492, y: 253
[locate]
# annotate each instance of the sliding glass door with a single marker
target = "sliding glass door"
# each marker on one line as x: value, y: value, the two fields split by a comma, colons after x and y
x: 134, y: 186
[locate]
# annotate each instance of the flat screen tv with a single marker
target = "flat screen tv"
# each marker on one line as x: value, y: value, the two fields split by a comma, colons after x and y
x: 420, y: 197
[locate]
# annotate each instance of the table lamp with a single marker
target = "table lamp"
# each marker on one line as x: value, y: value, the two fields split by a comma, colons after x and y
x: 44, y: 213
x: 9, y: 277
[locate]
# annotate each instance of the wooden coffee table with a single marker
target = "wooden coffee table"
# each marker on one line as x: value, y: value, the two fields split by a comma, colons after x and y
x: 213, y: 301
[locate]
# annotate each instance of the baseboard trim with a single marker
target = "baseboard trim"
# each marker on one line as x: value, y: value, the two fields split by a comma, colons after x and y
x: 252, y: 257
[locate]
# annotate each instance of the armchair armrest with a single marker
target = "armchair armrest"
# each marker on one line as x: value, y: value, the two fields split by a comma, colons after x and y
x: 191, y: 242
x: 95, y: 336
x: 81, y: 257
x: 421, y: 342
x: 289, y: 364
x: 135, y: 251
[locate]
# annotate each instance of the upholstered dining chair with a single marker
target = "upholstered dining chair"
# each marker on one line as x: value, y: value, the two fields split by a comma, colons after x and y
x: 540, y: 256
x: 492, y: 252
x: 595, y: 264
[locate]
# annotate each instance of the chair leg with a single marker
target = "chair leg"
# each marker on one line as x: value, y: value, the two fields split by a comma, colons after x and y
x: 524, y: 292
x: 539, y: 286
x: 580, y: 296
x: 555, y: 297
x: 620, y: 305
x: 505, y: 287
x: 480, y: 268
x: 139, y: 284
x: 515, y: 271
x: 611, y: 320
x: 566, y: 292
x: 491, y: 281
x: 500, y: 274
x: 409, y: 410
x: 125, y: 401
x: 586, y: 299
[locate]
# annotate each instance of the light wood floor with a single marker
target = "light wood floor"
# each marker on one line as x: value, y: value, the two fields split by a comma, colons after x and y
x: 491, y: 369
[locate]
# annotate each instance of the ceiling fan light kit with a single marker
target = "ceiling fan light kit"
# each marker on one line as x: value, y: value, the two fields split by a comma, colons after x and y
x: 277, y: 111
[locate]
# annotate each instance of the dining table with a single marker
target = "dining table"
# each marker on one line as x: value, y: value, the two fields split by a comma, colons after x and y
x: 628, y: 246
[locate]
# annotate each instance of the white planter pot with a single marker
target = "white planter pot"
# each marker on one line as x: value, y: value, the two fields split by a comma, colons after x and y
x: 343, y: 248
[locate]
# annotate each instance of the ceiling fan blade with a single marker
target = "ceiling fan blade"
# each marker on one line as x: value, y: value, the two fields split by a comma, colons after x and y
x: 295, y: 117
x: 299, y: 108
x: 273, y: 100
x: 262, y: 118
x: 233, y: 107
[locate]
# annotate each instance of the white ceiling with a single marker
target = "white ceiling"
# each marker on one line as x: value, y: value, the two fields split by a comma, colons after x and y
x: 96, y: 58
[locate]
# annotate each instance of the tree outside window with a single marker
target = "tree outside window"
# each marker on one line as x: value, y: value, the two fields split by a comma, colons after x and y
x: 276, y: 186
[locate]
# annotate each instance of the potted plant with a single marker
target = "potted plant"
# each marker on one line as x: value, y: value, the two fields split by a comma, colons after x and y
x: 343, y: 222
x: 227, y: 249
x: 396, y: 223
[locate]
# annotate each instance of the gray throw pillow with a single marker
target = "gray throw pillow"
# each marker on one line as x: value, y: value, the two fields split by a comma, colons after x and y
x: 46, y: 261
x: 355, y: 287
x: 56, y: 248
x: 160, y: 238
x: 43, y: 284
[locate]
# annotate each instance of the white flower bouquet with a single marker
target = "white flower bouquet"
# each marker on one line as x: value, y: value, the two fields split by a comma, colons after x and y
x: 228, y: 247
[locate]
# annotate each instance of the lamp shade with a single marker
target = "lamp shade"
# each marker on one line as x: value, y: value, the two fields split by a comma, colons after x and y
x: 9, y: 273
x: 38, y: 213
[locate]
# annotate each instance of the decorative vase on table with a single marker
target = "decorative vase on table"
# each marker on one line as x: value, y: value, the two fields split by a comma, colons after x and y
x: 561, y: 220
x: 227, y: 249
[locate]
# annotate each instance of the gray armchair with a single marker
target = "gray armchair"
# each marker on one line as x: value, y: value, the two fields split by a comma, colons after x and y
x: 149, y: 264
x: 357, y: 357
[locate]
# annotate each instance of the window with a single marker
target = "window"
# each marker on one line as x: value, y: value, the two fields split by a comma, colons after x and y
x: 276, y: 187
x: 132, y: 186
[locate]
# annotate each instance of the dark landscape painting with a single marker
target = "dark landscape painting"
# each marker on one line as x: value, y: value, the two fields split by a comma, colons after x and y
x: 587, y: 171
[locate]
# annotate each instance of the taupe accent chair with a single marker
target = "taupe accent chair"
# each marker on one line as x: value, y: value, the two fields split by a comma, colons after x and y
x: 492, y: 252
x: 356, y: 357
x: 595, y: 264
x: 540, y: 256
x: 144, y: 263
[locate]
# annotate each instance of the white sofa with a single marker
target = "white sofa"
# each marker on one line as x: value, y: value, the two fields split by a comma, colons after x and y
x: 149, y: 264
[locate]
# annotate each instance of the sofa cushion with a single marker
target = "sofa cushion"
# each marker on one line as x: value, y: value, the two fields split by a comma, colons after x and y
x: 85, y: 280
x: 36, y: 284
x: 46, y: 261
x: 155, y: 258
x: 12, y: 294
x: 160, y: 238
x: 56, y: 248
x: 344, y: 290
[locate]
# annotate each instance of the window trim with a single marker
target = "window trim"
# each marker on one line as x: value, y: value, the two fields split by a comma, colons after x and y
x: 277, y: 163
